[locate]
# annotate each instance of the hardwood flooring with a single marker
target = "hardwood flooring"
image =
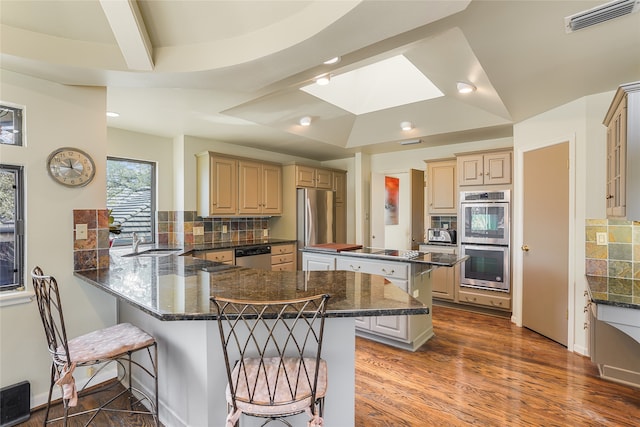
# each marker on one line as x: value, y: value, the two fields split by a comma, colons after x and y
x: 485, y: 371
x: 478, y: 370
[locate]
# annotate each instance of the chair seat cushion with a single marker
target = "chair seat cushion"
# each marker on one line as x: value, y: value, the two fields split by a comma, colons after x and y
x: 107, y: 343
x: 285, y: 401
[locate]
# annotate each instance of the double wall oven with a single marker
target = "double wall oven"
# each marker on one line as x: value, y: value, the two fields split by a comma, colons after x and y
x: 483, y: 231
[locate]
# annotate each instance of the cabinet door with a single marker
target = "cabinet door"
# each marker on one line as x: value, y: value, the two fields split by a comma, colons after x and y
x: 223, y: 185
x: 340, y: 186
x: 442, y: 188
x: 249, y: 181
x: 443, y: 282
x: 616, y: 163
x: 305, y: 176
x: 314, y: 262
x: 324, y: 179
x: 341, y: 223
x: 470, y: 170
x: 271, y: 189
x: 392, y: 326
x: 497, y: 168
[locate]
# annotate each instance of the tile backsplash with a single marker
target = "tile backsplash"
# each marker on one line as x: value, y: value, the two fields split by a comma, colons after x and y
x: 92, y: 252
x: 177, y: 228
x: 620, y: 257
x: 444, y: 221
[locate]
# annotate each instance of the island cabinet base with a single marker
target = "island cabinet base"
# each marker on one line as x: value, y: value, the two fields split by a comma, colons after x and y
x: 192, y: 376
x: 424, y: 334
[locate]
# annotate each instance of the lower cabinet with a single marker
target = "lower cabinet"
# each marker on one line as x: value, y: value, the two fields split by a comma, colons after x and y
x: 491, y: 299
x: 283, y: 257
x: 408, y: 332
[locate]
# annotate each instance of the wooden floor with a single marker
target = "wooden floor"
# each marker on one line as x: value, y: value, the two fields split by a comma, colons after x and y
x: 485, y: 371
x: 478, y: 370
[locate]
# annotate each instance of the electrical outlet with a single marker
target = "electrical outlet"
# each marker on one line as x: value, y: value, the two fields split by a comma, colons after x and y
x: 265, y: 233
x: 416, y: 293
x: 90, y: 371
x: 81, y: 231
x: 601, y: 238
x: 198, y: 231
x: 224, y: 228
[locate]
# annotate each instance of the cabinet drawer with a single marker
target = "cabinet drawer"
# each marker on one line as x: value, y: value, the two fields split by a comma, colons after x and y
x: 495, y: 301
x: 282, y: 249
x: 220, y: 256
x: 281, y: 259
x: 387, y: 269
x: 289, y: 266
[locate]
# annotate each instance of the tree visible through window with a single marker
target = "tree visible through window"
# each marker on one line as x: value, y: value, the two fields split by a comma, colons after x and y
x: 131, y: 198
x: 11, y: 228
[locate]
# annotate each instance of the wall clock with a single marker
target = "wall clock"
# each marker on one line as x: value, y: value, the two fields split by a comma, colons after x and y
x: 71, y: 167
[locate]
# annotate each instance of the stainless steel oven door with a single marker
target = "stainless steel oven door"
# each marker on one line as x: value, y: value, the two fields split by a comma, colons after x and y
x: 486, y: 268
x: 486, y: 223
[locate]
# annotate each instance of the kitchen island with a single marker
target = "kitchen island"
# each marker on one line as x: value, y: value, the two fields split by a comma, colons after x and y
x: 409, y: 270
x: 169, y: 297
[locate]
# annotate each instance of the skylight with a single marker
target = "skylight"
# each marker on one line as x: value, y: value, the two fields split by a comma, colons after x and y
x: 385, y: 84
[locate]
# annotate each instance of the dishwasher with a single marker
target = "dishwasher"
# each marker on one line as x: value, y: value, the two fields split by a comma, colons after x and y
x: 254, y: 257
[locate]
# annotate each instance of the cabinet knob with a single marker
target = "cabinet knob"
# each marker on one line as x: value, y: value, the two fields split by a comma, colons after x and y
x: 388, y: 272
x: 354, y: 268
x: 609, y: 196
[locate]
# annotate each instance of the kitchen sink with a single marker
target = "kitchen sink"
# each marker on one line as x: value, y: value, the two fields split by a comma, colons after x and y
x: 157, y: 252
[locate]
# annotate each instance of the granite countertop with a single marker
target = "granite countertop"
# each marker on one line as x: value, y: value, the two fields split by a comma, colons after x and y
x: 176, y: 287
x: 425, y: 258
x: 617, y: 292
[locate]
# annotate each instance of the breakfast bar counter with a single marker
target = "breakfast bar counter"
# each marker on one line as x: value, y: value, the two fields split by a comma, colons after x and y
x: 169, y: 297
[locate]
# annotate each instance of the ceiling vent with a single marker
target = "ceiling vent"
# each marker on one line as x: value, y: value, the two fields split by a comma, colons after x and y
x: 599, y: 14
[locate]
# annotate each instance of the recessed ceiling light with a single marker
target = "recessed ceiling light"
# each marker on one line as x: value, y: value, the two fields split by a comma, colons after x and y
x: 323, y: 79
x: 464, y: 87
x: 112, y: 114
x: 332, y: 61
x: 305, y: 121
x: 406, y: 125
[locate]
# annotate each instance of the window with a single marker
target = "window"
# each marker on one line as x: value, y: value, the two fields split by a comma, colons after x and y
x: 131, y: 198
x: 11, y: 228
x: 10, y: 125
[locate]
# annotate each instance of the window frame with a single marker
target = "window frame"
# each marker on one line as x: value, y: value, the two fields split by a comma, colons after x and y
x: 18, y: 123
x: 19, y: 229
x: 152, y: 201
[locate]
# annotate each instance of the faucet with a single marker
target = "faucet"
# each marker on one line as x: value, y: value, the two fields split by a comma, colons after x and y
x: 135, y: 242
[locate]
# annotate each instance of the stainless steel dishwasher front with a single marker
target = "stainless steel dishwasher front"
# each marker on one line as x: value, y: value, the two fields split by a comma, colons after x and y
x: 258, y: 256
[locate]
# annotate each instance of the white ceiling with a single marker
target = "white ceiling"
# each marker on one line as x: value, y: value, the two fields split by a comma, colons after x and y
x: 232, y: 70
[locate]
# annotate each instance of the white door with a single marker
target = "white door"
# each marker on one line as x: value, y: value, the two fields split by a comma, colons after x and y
x: 377, y: 211
x: 545, y: 258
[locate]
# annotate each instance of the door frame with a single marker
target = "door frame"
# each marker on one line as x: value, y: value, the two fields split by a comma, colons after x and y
x: 517, y: 240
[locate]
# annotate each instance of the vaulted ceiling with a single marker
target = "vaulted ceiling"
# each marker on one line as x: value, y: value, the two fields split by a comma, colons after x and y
x: 232, y: 70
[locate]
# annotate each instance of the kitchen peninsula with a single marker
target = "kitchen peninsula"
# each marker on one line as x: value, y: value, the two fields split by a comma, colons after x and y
x: 169, y: 297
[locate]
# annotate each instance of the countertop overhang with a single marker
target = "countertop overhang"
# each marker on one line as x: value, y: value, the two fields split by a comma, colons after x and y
x: 177, y: 287
x: 435, y: 259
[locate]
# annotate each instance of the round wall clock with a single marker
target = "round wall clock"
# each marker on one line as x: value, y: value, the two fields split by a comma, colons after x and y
x: 71, y: 167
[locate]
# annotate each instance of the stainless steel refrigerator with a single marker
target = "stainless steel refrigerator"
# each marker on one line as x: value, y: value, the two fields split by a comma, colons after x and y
x: 316, y: 218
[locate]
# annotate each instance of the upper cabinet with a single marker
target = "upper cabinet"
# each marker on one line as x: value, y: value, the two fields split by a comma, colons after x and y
x: 237, y: 186
x: 307, y: 176
x: 623, y: 150
x: 484, y: 168
x: 260, y: 188
x: 442, y: 187
x: 217, y: 185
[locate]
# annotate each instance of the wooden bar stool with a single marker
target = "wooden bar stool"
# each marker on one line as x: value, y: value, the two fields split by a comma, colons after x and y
x: 277, y: 369
x: 115, y: 344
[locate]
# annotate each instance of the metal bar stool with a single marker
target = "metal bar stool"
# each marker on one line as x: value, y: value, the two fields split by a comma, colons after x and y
x: 276, y: 348
x: 101, y: 347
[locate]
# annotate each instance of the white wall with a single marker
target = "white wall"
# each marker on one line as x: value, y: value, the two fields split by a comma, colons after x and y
x: 55, y: 116
x: 150, y: 148
x: 580, y: 123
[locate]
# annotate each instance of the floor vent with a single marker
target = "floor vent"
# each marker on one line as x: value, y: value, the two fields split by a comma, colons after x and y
x: 599, y: 14
x: 14, y: 402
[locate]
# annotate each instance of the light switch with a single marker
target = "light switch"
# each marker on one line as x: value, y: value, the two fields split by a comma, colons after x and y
x: 81, y: 231
x: 198, y: 231
x: 224, y: 228
x: 601, y: 238
x: 265, y: 233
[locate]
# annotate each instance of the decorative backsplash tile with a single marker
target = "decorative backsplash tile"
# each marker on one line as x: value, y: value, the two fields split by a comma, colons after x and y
x: 178, y: 228
x: 620, y: 257
x: 92, y: 252
x: 444, y: 221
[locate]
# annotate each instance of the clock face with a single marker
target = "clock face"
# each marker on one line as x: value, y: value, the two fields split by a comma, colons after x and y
x: 71, y: 167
